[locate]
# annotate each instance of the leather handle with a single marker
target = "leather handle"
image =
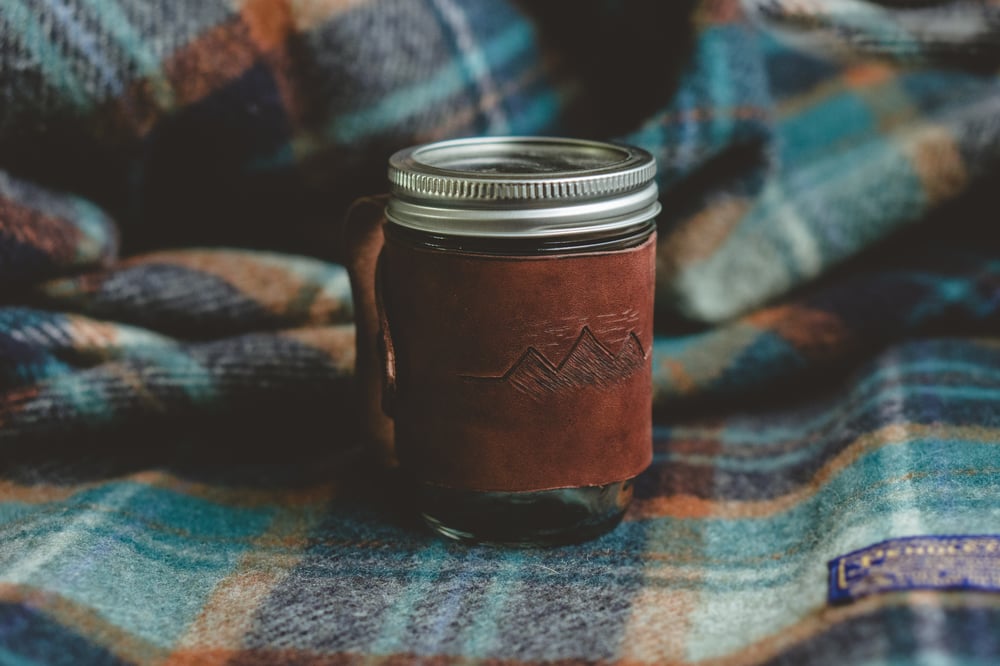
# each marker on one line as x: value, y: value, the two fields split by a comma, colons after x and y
x: 362, y: 240
x: 387, y: 351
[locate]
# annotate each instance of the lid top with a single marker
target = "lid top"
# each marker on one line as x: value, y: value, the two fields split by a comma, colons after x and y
x: 522, y: 158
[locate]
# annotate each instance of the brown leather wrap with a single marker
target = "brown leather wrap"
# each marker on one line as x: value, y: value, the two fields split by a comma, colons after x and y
x: 517, y: 373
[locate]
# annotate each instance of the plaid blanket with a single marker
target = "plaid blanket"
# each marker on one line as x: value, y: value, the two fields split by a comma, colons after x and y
x: 965, y: 31
x: 181, y: 480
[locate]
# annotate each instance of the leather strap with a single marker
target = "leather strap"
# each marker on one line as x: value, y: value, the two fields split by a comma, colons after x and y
x: 387, y: 352
x: 519, y: 373
x: 504, y: 373
x: 362, y: 240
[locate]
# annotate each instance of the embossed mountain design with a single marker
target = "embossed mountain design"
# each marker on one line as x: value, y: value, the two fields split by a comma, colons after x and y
x: 588, y: 363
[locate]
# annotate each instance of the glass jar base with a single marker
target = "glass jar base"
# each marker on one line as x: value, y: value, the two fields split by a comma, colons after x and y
x: 525, y: 519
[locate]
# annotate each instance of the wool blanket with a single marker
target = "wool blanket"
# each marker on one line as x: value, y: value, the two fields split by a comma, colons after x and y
x: 182, y: 480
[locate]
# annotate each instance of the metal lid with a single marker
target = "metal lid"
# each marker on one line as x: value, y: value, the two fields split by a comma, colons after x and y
x: 522, y: 187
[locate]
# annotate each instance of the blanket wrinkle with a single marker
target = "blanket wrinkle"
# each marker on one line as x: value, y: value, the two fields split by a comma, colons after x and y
x: 181, y: 476
x: 955, y: 31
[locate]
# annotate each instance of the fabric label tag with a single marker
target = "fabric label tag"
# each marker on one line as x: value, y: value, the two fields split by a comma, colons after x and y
x: 917, y: 563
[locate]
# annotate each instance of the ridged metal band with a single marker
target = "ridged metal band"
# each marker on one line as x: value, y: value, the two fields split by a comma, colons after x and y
x: 472, y: 188
x: 522, y: 187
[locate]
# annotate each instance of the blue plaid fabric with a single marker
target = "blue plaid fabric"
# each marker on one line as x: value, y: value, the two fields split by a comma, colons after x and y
x: 181, y: 477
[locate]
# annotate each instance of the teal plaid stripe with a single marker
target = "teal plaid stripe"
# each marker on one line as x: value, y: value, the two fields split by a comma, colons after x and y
x: 848, y: 155
x: 87, y: 52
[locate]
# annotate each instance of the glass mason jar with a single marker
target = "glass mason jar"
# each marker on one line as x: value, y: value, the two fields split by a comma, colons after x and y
x: 515, y: 292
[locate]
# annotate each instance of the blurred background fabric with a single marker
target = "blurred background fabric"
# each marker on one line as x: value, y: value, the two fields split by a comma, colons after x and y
x: 180, y: 477
x: 955, y: 31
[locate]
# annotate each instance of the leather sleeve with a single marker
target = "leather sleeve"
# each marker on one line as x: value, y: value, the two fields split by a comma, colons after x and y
x: 521, y: 373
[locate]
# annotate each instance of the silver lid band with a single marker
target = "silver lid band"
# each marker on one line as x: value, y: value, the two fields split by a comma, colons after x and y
x: 522, y: 187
